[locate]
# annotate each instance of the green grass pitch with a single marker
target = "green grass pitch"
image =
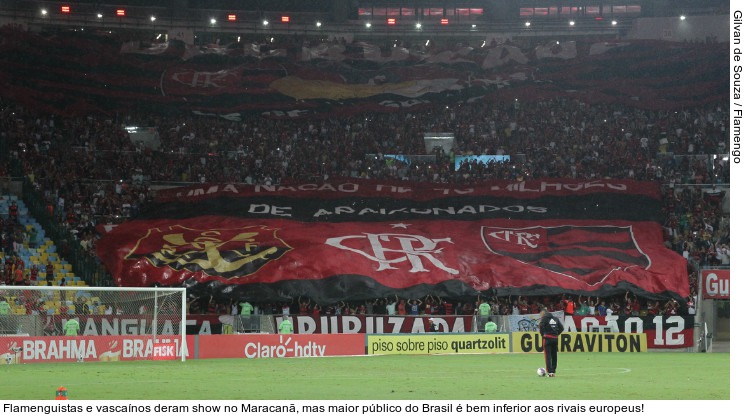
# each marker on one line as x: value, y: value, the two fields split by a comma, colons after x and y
x: 580, y: 376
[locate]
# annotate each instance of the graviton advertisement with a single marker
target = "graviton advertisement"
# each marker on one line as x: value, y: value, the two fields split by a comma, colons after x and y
x: 583, y: 342
x: 278, y: 345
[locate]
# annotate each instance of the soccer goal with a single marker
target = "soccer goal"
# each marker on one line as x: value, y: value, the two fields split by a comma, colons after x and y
x: 159, y: 312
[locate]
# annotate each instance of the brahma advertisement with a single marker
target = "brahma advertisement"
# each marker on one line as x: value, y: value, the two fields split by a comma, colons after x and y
x: 16, y: 350
x: 83, y: 349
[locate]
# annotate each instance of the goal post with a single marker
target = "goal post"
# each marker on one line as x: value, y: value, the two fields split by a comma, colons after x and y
x: 156, y: 312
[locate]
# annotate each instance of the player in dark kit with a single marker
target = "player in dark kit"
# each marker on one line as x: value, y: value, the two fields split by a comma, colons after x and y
x: 550, y: 328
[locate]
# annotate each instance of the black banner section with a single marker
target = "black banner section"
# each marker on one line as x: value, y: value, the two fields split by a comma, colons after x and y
x: 381, y: 209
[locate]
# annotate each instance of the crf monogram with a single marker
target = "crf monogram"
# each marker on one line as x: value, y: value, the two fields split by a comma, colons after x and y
x: 201, y: 79
x: 412, y: 248
x: 519, y: 238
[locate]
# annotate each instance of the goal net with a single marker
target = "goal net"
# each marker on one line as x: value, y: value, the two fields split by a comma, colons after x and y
x: 159, y: 314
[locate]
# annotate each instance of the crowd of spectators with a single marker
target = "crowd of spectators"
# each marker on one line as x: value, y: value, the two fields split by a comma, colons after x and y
x: 90, y: 172
x: 627, y: 304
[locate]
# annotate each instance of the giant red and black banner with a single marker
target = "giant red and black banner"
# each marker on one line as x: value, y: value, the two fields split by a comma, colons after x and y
x: 359, y: 240
x: 82, y: 73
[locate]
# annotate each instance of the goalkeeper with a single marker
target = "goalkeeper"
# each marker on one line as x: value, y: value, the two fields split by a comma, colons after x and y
x: 550, y: 328
x: 72, y: 327
x: 286, y: 326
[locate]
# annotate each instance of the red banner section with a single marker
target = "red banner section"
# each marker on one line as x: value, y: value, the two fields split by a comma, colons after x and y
x: 374, y: 260
x: 716, y: 284
x: 280, y: 345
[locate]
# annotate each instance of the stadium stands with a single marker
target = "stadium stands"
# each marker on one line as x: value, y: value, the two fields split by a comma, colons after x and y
x: 88, y: 173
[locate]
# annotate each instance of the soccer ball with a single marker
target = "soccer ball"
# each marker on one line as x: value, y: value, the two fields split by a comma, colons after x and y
x: 541, y: 372
x: 80, y: 359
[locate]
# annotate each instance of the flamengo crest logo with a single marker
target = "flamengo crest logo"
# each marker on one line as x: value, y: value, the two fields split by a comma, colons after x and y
x: 388, y: 250
x: 228, y: 253
x: 585, y: 253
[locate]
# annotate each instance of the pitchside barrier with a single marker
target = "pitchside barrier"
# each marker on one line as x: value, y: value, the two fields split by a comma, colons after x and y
x: 668, y: 332
x: 121, y: 324
x: 626, y: 334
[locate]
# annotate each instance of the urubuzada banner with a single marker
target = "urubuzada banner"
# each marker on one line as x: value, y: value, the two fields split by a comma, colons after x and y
x: 379, y: 324
x: 331, y: 246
